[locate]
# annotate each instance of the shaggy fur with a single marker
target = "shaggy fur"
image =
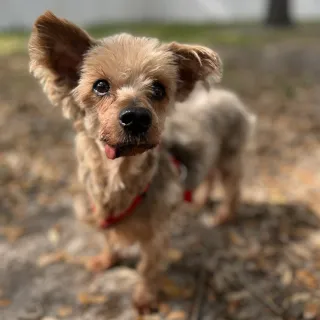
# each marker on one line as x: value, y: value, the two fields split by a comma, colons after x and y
x: 67, y: 62
x: 208, y: 133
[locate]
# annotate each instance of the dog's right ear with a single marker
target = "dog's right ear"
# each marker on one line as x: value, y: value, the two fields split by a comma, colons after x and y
x: 56, y: 49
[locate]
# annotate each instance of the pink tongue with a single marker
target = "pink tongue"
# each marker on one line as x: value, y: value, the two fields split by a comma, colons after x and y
x: 110, y: 152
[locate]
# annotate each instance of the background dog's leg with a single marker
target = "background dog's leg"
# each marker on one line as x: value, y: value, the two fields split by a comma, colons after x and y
x: 202, y: 193
x: 106, y: 259
x: 149, y: 268
x: 231, y: 175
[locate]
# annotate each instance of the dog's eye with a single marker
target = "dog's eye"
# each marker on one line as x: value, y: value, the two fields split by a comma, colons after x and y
x: 101, y: 87
x: 158, y: 91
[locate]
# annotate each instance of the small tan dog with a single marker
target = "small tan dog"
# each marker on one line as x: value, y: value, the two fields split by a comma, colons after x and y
x: 208, y: 134
x: 118, y: 92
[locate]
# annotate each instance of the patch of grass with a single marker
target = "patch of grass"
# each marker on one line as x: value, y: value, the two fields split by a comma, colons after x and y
x: 248, y: 34
x: 13, y: 42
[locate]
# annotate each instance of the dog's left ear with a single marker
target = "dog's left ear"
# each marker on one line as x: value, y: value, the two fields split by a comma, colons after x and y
x: 56, y: 49
x: 195, y: 63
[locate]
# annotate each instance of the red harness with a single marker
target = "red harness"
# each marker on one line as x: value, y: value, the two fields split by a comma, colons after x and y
x: 112, y: 220
x: 108, y: 222
x: 187, y: 193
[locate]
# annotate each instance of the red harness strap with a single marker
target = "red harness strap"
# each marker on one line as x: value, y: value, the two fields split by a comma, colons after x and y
x: 187, y: 193
x: 112, y: 220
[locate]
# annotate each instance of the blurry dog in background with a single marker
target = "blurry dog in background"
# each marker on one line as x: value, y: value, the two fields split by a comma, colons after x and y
x: 208, y: 134
x: 117, y: 92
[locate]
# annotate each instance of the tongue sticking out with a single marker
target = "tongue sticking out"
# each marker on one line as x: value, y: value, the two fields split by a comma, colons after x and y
x: 110, y: 152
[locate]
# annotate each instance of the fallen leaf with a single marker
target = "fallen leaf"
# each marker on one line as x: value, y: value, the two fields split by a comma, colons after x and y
x: 87, y: 299
x: 170, y: 289
x: 300, y: 297
x: 177, y: 315
x: 233, y: 306
x: 236, y: 239
x: 149, y: 317
x: 310, y: 311
x: 81, y: 260
x: 65, y: 311
x: 49, y: 258
x: 305, y: 176
x: 287, y: 277
x: 12, y: 233
x: 307, y: 278
x: 4, y: 303
x: 238, y: 295
x: 54, y: 234
x: 174, y: 255
x: 277, y: 196
x: 164, y: 308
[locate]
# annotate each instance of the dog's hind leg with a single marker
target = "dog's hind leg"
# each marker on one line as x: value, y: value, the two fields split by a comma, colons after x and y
x: 231, y: 175
x: 202, y: 194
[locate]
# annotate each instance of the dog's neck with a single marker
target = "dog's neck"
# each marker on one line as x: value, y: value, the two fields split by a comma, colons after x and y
x: 125, y: 178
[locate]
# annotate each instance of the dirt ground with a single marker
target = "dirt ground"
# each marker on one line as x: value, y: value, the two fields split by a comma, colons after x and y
x: 265, y: 265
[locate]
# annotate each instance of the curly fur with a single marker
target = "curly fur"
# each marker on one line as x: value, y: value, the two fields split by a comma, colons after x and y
x: 67, y: 61
x: 209, y: 133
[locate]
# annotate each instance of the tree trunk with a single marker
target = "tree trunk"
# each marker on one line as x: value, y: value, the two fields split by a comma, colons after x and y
x: 279, y: 13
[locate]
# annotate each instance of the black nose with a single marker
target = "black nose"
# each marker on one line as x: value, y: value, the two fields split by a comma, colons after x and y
x: 135, y: 119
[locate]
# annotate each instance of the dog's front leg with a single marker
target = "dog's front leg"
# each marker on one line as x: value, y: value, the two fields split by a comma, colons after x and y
x: 231, y: 176
x: 202, y: 193
x: 106, y: 259
x: 145, y: 294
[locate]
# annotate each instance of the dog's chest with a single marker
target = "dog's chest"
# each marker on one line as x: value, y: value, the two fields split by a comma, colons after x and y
x: 125, y: 178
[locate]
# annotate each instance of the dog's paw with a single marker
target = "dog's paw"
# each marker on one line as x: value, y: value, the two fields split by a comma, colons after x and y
x: 101, y: 262
x: 144, y: 301
x: 223, y: 215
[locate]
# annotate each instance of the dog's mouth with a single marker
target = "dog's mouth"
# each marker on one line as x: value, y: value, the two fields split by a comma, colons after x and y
x: 126, y: 150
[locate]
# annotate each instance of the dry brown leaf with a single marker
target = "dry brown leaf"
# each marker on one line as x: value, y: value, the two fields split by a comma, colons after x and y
x: 310, y: 311
x: 233, y: 306
x: 149, y: 317
x: 236, y: 239
x: 238, y: 295
x: 277, y: 196
x: 12, y: 233
x: 305, y: 176
x: 4, y: 303
x: 83, y: 261
x: 65, y: 311
x: 87, y: 299
x: 177, y: 315
x: 169, y: 288
x: 164, y: 308
x: 49, y: 258
x: 307, y: 278
x: 174, y: 255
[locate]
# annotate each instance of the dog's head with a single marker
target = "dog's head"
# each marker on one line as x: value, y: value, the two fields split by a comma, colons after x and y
x: 123, y: 85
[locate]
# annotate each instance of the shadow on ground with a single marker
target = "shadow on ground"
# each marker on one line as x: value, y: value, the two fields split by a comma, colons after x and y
x: 263, y: 265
